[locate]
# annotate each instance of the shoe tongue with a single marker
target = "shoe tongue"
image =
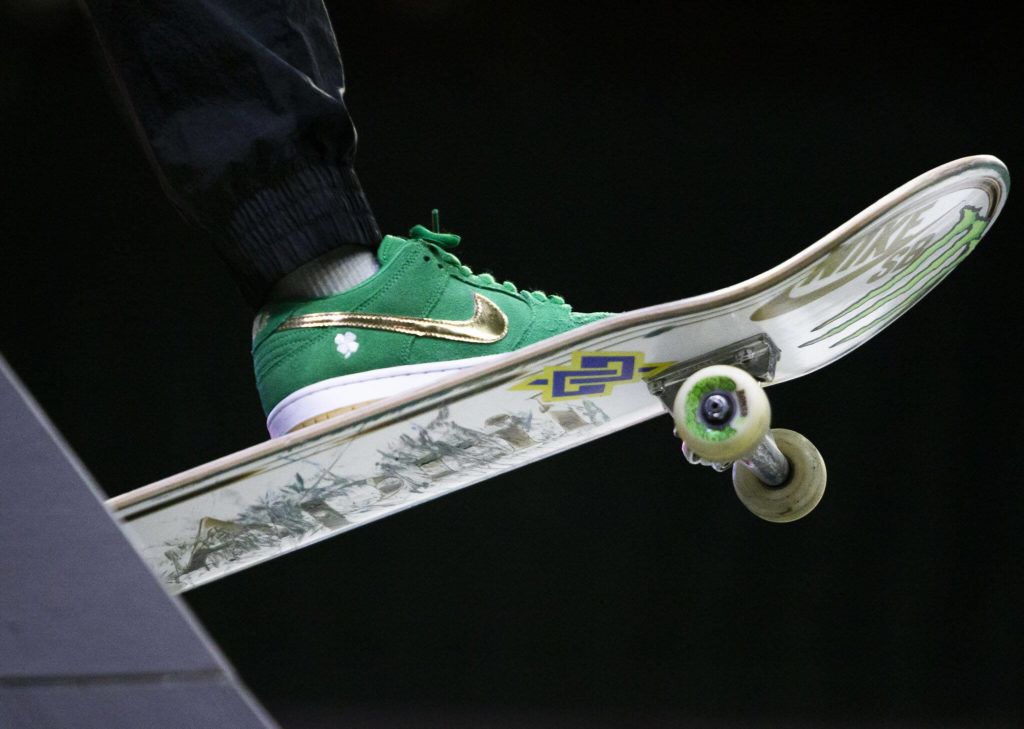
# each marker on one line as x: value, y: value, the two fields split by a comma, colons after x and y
x: 389, y: 247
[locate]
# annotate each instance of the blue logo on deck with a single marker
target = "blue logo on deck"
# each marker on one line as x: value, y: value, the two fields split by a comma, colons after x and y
x: 591, y: 374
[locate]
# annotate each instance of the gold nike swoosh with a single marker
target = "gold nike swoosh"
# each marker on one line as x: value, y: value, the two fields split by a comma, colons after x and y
x: 487, y: 325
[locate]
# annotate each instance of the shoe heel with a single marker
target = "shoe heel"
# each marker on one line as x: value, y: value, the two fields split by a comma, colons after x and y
x: 331, y: 414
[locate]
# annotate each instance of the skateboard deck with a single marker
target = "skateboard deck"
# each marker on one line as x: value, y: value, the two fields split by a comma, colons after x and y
x: 398, y: 452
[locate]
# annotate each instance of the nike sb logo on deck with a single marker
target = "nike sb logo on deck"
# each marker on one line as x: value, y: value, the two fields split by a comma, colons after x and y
x: 912, y: 276
x: 903, y: 245
x: 487, y: 325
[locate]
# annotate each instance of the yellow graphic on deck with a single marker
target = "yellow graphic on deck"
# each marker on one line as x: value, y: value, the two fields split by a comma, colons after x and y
x: 591, y: 374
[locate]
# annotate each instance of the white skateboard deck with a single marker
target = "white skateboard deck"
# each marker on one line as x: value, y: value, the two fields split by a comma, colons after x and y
x: 290, y: 492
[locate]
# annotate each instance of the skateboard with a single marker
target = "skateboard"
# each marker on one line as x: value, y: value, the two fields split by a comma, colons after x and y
x: 705, y: 360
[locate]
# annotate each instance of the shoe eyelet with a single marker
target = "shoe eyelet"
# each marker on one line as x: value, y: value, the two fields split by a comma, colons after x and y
x: 426, y: 258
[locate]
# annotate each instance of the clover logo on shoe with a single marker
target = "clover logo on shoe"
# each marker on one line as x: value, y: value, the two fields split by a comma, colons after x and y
x: 487, y: 325
x: 347, y: 344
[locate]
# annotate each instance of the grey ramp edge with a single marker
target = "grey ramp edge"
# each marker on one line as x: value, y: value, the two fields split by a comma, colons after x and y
x: 203, y: 705
x: 88, y: 637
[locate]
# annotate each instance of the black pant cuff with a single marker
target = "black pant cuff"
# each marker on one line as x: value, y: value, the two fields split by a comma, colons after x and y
x: 312, y: 211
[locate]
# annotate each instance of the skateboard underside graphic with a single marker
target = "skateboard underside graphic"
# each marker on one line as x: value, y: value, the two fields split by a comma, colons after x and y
x: 524, y: 406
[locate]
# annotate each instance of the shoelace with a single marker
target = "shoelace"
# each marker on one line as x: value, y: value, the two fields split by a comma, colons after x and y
x: 445, y: 242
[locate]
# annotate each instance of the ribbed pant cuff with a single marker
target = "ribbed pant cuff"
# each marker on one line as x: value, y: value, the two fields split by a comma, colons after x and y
x: 311, y: 212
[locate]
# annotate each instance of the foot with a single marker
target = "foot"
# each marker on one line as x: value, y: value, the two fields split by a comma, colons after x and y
x: 420, y: 317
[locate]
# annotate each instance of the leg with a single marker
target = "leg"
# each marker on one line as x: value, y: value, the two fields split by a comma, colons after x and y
x: 240, y: 107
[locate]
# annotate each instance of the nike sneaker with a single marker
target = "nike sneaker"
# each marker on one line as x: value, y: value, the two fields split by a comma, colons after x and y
x: 422, y: 316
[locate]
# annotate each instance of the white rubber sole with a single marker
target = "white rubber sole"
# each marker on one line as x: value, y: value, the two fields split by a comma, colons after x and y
x: 322, y: 399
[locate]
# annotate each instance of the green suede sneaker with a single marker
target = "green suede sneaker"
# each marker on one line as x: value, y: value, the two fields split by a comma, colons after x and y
x: 420, y: 317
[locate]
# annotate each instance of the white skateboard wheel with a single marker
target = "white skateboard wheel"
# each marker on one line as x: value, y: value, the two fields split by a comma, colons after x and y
x: 798, y: 495
x: 721, y: 412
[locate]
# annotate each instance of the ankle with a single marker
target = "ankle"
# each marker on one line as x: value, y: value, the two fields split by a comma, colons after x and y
x: 333, y: 272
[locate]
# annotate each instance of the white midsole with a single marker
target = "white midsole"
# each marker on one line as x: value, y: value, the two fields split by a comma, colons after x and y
x: 339, y: 392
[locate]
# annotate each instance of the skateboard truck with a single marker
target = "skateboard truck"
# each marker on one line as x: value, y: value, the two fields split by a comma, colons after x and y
x: 722, y: 415
x: 757, y: 355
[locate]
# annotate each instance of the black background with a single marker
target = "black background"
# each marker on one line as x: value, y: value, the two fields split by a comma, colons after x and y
x: 620, y: 154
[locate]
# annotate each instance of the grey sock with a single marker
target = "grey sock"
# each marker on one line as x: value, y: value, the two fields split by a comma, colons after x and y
x: 333, y: 272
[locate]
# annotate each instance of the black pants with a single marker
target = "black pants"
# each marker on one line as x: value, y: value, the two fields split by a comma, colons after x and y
x: 240, y: 106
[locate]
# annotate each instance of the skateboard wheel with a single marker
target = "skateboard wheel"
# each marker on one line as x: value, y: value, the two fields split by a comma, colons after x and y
x: 798, y: 495
x: 721, y: 412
